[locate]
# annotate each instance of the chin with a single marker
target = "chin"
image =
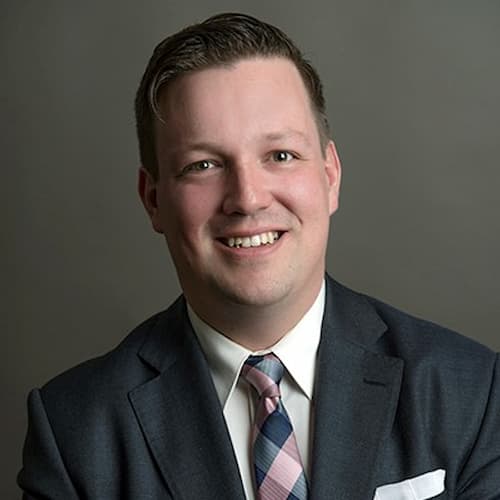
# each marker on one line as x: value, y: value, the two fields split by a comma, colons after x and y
x: 256, y: 295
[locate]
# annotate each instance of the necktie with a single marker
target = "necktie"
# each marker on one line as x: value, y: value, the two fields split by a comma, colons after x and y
x: 279, y: 474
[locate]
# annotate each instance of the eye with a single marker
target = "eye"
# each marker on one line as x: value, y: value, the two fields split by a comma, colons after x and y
x: 282, y: 156
x: 199, y: 166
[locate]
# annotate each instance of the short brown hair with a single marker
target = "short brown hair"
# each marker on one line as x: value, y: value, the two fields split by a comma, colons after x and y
x: 218, y: 41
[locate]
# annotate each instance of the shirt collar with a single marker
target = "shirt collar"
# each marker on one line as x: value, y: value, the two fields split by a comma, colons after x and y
x: 296, y: 350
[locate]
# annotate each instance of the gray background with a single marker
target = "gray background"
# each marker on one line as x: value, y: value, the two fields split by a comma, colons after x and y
x: 413, y: 93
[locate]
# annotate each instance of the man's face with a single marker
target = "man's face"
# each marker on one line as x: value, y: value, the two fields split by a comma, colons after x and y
x: 244, y: 191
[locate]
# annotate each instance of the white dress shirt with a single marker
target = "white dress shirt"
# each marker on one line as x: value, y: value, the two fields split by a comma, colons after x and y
x: 297, y: 351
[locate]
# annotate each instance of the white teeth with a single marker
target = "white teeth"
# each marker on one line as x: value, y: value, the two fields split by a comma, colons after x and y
x: 256, y: 240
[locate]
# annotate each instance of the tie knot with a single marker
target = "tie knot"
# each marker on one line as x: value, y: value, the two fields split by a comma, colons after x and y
x: 264, y: 373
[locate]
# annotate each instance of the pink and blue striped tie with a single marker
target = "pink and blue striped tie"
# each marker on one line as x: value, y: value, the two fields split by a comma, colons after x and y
x: 279, y: 474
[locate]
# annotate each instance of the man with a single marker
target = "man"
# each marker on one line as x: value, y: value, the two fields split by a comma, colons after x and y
x: 266, y: 379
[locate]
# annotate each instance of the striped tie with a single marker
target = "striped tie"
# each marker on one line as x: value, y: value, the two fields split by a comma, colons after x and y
x: 279, y: 474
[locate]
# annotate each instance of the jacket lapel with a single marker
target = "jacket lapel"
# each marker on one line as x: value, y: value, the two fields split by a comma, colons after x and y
x: 355, y: 400
x: 181, y: 417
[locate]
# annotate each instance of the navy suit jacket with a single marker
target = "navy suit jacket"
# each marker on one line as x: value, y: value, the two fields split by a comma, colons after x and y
x: 395, y: 397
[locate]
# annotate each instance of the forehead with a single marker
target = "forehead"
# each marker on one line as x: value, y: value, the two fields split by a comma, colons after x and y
x: 248, y: 94
x: 247, y: 72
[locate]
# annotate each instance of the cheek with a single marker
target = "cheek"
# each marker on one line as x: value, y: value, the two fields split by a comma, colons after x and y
x: 186, y: 210
x: 308, y: 194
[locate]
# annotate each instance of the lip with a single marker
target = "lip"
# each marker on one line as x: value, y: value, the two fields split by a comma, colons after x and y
x: 246, y: 233
x: 262, y: 250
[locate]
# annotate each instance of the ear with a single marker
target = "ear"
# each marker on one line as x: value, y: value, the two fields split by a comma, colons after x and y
x: 147, y: 188
x: 333, y: 172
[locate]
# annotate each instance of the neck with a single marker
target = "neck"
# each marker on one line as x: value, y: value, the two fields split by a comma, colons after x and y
x: 255, y: 327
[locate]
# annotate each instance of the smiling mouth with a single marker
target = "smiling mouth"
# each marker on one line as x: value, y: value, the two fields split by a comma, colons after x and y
x: 255, y: 240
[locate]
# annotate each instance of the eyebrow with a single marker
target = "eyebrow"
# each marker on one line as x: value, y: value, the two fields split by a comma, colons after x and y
x: 286, y: 134
x: 269, y: 137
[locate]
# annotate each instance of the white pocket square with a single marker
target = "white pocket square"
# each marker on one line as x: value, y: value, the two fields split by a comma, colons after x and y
x: 417, y: 488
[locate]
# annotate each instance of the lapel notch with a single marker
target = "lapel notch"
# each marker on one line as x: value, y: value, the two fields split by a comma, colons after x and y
x: 181, y: 417
x: 356, y: 397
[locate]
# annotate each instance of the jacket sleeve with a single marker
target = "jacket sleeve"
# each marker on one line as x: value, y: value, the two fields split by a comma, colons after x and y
x: 480, y: 477
x: 44, y: 475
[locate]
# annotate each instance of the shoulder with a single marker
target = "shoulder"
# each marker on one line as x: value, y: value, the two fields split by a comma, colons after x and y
x: 105, y: 366
x: 414, y: 336
x: 106, y: 380
x: 442, y: 368
x: 415, y: 340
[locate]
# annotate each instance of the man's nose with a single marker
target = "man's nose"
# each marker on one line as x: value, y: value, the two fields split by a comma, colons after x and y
x: 248, y: 189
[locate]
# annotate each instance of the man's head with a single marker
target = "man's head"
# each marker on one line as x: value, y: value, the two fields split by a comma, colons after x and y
x: 242, y: 188
x: 218, y: 41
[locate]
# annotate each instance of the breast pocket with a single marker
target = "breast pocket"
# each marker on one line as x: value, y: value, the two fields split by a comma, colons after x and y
x: 428, y: 485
